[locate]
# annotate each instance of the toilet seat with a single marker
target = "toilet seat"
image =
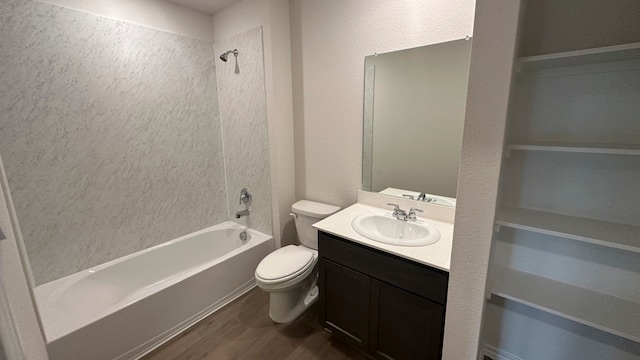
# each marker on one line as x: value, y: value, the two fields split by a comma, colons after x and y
x: 285, y: 264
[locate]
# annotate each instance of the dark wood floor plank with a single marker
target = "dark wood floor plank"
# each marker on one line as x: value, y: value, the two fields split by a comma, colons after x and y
x: 243, y: 331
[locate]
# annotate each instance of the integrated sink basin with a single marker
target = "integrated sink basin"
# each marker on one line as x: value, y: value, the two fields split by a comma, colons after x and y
x: 389, y: 230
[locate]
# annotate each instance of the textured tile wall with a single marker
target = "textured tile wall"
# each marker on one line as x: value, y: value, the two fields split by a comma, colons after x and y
x: 243, y: 113
x: 111, y: 137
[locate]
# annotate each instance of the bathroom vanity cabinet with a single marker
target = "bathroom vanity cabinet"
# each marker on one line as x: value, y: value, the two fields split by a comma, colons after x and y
x: 387, y: 306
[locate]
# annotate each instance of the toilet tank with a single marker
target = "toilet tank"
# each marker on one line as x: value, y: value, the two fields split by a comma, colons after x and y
x: 306, y: 214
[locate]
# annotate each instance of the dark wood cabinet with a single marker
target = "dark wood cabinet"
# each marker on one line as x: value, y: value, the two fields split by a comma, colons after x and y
x: 404, y: 325
x: 387, y: 306
x: 345, y: 306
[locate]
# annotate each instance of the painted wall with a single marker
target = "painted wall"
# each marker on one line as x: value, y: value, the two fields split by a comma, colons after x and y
x: 243, y: 116
x: 492, y: 57
x: 330, y: 40
x: 546, y: 29
x: 156, y: 14
x: 273, y: 16
x: 110, y: 136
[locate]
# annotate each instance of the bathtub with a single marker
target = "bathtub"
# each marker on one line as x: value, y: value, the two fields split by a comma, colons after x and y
x: 127, y: 307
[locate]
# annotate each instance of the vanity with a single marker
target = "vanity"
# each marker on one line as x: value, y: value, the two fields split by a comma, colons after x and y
x: 387, y: 300
x: 381, y: 303
x: 384, y: 261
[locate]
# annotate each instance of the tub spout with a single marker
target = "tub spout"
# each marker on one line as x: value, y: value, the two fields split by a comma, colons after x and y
x: 242, y: 213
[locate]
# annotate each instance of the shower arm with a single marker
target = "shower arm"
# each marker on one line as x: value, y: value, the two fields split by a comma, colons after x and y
x: 224, y: 56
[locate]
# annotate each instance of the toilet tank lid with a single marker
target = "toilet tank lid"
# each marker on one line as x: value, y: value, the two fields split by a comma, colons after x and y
x: 314, y: 209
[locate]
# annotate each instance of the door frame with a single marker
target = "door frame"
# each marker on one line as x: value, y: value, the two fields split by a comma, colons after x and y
x: 23, y: 338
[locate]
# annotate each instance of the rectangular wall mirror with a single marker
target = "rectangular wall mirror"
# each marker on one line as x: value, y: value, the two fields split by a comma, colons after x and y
x: 414, y: 107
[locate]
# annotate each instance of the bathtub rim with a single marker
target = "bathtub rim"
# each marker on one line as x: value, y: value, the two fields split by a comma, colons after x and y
x: 54, y: 330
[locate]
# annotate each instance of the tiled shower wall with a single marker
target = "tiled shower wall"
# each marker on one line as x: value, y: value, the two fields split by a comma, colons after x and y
x: 111, y: 137
x: 243, y: 112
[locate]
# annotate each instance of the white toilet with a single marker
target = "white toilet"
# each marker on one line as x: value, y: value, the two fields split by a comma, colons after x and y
x: 290, y: 273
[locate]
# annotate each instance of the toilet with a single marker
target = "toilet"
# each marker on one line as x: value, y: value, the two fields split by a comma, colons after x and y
x: 290, y: 274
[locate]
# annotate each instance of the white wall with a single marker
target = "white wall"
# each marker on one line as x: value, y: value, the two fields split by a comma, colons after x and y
x: 330, y: 40
x: 273, y: 16
x: 156, y: 14
x: 487, y: 99
x: 593, y: 23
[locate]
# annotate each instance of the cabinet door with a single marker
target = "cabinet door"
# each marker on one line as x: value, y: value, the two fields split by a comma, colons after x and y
x: 344, y: 303
x: 404, y: 325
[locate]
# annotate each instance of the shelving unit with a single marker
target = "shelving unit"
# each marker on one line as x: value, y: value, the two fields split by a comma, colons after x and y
x: 590, y: 103
x: 613, y: 235
x: 605, y: 312
x: 607, y: 149
x: 581, y: 57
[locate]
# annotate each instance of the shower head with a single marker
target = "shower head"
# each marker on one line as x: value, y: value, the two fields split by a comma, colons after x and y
x: 224, y: 56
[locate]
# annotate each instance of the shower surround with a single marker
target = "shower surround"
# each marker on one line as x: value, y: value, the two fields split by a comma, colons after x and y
x: 243, y: 111
x: 112, y: 139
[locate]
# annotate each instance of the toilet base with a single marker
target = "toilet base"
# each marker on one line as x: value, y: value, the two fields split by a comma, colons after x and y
x: 286, y: 306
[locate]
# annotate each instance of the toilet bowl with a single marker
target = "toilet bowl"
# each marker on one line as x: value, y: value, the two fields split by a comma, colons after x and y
x: 290, y: 274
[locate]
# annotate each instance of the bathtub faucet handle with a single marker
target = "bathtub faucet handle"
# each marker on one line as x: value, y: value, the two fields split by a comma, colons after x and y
x: 245, y: 197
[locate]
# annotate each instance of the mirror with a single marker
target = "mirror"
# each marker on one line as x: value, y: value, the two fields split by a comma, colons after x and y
x: 414, y: 107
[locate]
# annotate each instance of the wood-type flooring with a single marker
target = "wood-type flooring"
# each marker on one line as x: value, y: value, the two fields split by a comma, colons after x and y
x: 243, y: 330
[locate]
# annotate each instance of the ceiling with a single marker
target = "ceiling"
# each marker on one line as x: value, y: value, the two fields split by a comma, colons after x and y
x: 206, y: 6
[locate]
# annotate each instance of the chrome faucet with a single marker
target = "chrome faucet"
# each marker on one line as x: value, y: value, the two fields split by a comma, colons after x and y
x: 423, y: 197
x: 403, y: 215
x: 397, y: 212
x: 411, y: 216
x: 245, y: 198
x: 242, y: 213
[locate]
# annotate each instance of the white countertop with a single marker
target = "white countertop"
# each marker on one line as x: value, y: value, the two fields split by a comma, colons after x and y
x: 436, y: 255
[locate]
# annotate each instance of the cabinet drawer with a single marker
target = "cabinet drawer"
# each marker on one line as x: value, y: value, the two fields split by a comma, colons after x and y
x: 419, y: 279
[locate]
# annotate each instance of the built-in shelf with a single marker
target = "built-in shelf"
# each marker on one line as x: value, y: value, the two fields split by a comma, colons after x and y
x: 582, y: 57
x: 613, y: 235
x: 611, y: 149
x: 605, y: 312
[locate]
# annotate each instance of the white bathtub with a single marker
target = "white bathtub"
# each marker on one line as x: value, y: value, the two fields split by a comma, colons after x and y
x: 126, y: 307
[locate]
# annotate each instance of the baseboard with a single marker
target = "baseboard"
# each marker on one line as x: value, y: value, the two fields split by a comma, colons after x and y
x: 496, y: 354
x: 156, y: 342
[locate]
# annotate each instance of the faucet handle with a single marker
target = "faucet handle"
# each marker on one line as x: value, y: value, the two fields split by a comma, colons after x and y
x: 245, y: 197
x: 409, y: 196
x: 412, y: 214
x: 397, y: 212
